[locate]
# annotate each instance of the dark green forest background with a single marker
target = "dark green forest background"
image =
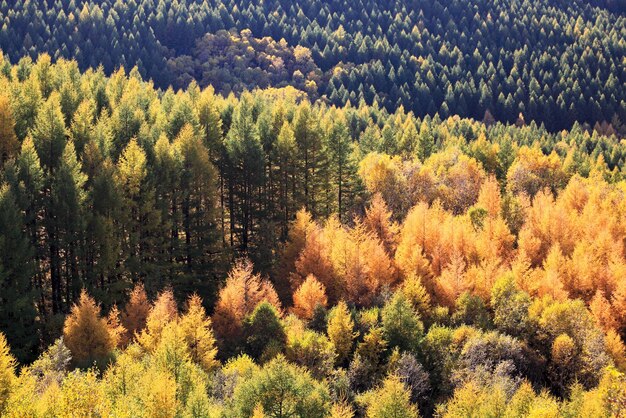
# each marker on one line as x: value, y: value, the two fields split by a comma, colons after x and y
x: 555, y: 62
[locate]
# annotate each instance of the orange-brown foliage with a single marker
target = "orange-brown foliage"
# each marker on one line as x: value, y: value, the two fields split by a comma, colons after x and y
x: 135, y: 312
x: 308, y: 296
x: 86, y: 333
x: 116, y: 329
x: 315, y: 259
x: 243, y: 291
x: 299, y: 231
x: 489, y: 197
x: 602, y: 312
x: 360, y: 262
x: 378, y: 221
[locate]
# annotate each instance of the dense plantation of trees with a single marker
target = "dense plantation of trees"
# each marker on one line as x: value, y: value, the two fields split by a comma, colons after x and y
x: 183, y: 253
x: 555, y: 62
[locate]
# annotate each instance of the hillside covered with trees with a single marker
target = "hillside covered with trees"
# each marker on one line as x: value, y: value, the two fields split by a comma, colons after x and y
x: 555, y: 62
x: 190, y: 254
x: 312, y: 208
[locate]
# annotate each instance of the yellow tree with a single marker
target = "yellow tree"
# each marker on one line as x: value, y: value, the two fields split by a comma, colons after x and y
x: 459, y: 179
x: 532, y: 171
x: 308, y: 296
x: 158, y: 394
x: 417, y: 295
x: 81, y: 396
x: 7, y: 372
x: 616, y: 349
x: 161, y: 314
x: 9, y: 145
x: 563, y: 356
x: 342, y: 410
x: 392, y: 399
x: 86, y: 333
x: 383, y: 174
x: 341, y: 331
x: 25, y: 399
x: 196, y: 327
x: 172, y: 354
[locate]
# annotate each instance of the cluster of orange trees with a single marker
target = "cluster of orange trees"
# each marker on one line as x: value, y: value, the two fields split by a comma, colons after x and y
x: 440, y: 311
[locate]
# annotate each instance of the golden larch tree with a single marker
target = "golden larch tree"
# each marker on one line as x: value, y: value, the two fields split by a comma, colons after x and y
x: 489, y: 197
x: 198, y: 332
x: 7, y: 372
x: 417, y: 295
x: 86, y: 333
x: 162, y: 313
x: 341, y: 331
x: 308, y: 296
x: 299, y: 230
x: 136, y: 312
x: 116, y: 329
x: 602, y: 312
x: 243, y: 291
x: 9, y: 145
x: 315, y: 259
x: 378, y: 220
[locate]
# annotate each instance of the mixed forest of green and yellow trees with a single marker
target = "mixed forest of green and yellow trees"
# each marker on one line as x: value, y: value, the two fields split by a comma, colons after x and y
x: 312, y: 209
x: 186, y: 254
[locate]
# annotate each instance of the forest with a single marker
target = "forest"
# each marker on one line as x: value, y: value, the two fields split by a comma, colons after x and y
x: 312, y: 209
x: 554, y: 61
x: 189, y: 254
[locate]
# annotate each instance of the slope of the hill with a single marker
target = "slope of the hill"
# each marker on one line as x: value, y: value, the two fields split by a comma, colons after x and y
x: 554, y: 61
x: 107, y: 181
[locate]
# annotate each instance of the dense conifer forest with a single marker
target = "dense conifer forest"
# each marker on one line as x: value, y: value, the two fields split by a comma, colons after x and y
x: 312, y: 209
x: 554, y: 61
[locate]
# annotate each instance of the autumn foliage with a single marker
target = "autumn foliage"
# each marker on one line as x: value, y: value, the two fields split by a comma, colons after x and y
x: 309, y: 296
x: 136, y: 312
x: 262, y: 255
x: 243, y: 291
x: 86, y: 333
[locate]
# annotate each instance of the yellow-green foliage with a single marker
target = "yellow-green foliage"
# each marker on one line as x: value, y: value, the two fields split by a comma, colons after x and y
x: 392, y: 399
x: 81, y: 396
x: 7, y: 372
x: 341, y: 330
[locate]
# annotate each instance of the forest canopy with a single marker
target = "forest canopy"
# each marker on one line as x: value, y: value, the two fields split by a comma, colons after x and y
x: 312, y: 208
x: 185, y: 253
x: 554, y: 62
